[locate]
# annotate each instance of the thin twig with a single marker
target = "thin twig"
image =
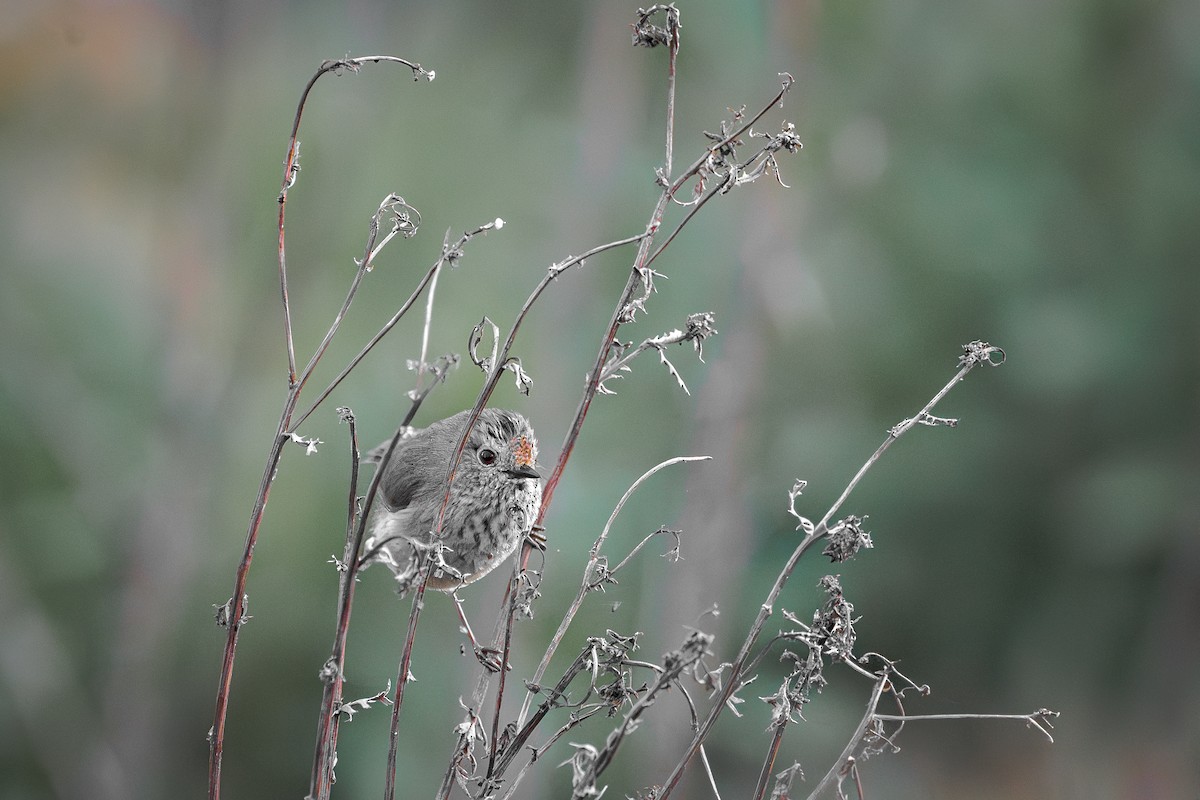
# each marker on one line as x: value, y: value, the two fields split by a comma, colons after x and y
x: 291, y: 170
x: 977, y: 353
x: 575, y: 721
x: 708, y: 772
x: 674, y: 664
x: 235, y: 615
x: 622, y: 313
x: 551, y: 701
x: 638, y: 276
x: 364, y: 267
x: 673, y: 28
x: 764, y: 775
x: 610, y: 575
x: 1039, y: 719
x: 425, y: 329
x: 639, y: 264
x: 881, y: 683
x: 907, y: 425
x: 334, y: 671
x: 695, y: 209
x: 411, y: 632
x: 402, y: 677
x: 717, y: 146
x: 351, y: 564
x: 428, y: 278
x: 588, y: 571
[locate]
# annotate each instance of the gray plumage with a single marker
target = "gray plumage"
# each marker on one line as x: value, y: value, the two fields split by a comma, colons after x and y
x: 493, y: 501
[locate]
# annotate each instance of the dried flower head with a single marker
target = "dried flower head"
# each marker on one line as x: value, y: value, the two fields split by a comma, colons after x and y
x: 846, y: 538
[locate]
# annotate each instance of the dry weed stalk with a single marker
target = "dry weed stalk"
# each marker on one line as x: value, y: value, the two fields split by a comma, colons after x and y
x: 612, y: 681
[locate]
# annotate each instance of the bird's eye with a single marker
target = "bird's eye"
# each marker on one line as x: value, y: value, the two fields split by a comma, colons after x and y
x: 487, y: 457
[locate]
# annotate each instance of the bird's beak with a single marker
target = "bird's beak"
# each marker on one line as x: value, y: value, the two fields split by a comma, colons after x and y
x: 521, y: 471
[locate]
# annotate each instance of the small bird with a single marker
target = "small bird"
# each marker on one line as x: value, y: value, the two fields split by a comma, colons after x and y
x: 494, y: 500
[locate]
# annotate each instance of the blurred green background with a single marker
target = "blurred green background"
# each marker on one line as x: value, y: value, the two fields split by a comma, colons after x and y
x: 1023, y: 172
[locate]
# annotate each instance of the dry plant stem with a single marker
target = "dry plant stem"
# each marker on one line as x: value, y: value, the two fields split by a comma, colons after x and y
x: 291, y: 168
x: 712, y: 779
x: 322, y: 771
x: 511, y: 606
x: 596, y: 375
x: 422, y: 363
x: 359, y: 561
x: 635, y: 278
x: 237, y: 603
x: 237, y: 607
x: 894, y: 434
x: 504, y: 758
x: 857, y: 774
x: 672, y: 58
x: 695, y: 209
x: 847, y: 757
x: 428, y: 279
x: 589, y: 394
x: 403, y: 670
x: 552, y: 697
x: 351, y: 565
x: 364, y: 267
x: 588, y: 573
x: 635, y: 274
x: 764, y: 777
x: 522, y: 736
x: 389, y: 790
x: 637, y: 548
x: 668, y: 677
x: 1036, y: 719
x: 507, y: 614
x: 738, y: 667
x: 538, y: 752
x: 715, y: 147
x: 585, y: 658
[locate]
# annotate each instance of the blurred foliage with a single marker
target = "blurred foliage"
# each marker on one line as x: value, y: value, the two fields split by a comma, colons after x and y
x: 1022, y: 172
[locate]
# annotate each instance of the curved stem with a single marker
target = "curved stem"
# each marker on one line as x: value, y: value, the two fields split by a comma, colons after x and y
x: 593, y: 557
x: 389, y: 790
x: 426, y: 280
x: 738, y: 666
x: 321, y: 781
x: 291, y: 169
x: 841, y: 766
x: 235, y: 610
x: 768, y: 766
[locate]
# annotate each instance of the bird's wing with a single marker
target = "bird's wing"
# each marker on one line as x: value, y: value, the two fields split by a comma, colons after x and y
x: 406, y: 473
x: 419, y: 463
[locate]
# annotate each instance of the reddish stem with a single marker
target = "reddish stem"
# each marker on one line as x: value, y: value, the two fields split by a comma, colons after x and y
x: 237, y: 602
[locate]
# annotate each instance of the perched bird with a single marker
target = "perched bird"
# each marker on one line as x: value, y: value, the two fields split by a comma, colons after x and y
x: 494, y: 499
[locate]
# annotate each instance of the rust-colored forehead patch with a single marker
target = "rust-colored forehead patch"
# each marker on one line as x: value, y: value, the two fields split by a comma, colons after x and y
x: 524, y: 451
